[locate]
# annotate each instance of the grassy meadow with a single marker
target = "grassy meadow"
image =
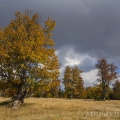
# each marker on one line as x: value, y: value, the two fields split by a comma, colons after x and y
x: 62, y: 109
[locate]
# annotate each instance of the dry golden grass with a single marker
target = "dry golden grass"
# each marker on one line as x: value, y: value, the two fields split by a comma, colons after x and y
x: 62, y: 109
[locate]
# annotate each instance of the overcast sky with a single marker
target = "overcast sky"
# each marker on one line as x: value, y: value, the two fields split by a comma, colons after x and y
x: 86, y: 30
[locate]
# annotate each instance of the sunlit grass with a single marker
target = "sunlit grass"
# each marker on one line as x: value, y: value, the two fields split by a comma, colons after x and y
x: 61, y: 109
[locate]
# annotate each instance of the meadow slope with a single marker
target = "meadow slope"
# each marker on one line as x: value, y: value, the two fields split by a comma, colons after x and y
x: 62, y: 109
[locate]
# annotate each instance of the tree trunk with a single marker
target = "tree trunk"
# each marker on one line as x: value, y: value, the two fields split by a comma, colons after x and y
x: 104, y: 94
x: 19, y: 97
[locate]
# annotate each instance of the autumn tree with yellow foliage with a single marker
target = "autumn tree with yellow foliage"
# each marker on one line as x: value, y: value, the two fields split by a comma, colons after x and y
x: 26, y: 53
x: 73, y: 82
x: 107, y: 72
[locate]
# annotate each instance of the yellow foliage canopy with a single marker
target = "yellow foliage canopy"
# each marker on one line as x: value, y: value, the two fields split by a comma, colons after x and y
x: 24, y: 44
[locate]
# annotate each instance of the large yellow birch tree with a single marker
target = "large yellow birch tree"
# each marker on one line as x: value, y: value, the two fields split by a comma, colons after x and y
x: 26, y: 53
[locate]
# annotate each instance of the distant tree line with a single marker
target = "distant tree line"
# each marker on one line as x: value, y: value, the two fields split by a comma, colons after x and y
x: 74, y: 85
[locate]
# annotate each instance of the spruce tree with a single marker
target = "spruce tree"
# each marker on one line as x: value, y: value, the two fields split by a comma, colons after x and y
x: 68, y: 82
x: 78, y: 83
x: 73, y: 82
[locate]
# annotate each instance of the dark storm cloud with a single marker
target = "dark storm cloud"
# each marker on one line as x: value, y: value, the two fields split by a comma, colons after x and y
x: 91, y: 25
x: 95, y: 31
x: 86, y: 65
